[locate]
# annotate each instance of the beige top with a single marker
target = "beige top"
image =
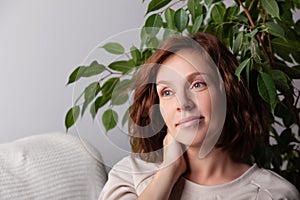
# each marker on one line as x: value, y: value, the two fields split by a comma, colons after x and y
x: 130, y: 176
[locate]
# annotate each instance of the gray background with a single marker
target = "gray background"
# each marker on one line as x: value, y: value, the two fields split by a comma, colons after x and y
x: 41, y: 43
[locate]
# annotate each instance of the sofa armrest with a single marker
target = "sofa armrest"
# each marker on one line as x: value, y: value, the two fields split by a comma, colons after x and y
x: 50, y: 166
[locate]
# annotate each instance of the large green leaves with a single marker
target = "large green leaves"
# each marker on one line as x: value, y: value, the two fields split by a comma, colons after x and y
x: 266, y: 50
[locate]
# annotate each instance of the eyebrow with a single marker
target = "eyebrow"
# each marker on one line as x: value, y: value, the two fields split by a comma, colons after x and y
x: 193, y: 75
x: 162, y: 82
x: 189, y: 78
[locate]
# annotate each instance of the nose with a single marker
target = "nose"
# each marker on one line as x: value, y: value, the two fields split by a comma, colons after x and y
x: 185, y: 102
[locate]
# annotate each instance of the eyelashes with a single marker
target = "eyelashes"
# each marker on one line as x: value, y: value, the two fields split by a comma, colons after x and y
x: 196, y: 86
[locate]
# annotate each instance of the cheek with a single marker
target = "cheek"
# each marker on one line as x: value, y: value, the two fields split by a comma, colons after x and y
x: 166, y: 111
x: 204, y: 103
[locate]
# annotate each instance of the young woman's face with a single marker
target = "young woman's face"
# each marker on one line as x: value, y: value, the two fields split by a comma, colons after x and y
x: 187, y: 85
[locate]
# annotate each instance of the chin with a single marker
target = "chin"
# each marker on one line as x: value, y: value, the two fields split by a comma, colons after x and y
x: 190, y: 139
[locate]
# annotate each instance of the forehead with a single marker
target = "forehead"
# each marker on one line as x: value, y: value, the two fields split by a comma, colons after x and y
x: 184, y: 63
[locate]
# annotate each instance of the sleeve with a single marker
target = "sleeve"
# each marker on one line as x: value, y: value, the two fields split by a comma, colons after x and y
x: 120, y: 184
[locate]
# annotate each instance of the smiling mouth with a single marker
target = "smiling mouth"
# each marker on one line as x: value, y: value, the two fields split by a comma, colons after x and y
x: 189, y: 121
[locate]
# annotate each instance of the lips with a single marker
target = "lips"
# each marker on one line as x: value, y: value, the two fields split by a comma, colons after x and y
x: 189, y: 121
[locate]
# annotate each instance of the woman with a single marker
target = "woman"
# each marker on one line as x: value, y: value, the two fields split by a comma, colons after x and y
x: 192, y: 124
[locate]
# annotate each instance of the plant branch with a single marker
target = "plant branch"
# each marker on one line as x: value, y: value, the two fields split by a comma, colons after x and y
x: 251, y: 4
x: 263, y: 45
x: 271, y: 62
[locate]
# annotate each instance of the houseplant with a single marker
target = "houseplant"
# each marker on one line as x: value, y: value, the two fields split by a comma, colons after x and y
x: 261, y: 33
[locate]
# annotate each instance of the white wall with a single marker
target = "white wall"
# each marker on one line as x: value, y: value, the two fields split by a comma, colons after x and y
x: 41, y: 43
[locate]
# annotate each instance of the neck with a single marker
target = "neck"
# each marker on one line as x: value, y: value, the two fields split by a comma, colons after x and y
x: 216, y: 168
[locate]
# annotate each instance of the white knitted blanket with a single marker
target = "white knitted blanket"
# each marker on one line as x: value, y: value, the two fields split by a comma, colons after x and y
x: 50, y: 166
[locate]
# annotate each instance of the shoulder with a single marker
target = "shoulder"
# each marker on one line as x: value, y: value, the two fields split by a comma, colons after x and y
x: 128, y: 178
x: 132, y: 170
x: 134, y: 165
x: 275, y: 185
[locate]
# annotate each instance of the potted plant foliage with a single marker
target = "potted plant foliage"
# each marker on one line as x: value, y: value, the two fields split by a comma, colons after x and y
x: 261, y: 33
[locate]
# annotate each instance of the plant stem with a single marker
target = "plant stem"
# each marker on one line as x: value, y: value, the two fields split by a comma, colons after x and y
x: 257, y: 36
x: 251, y: 4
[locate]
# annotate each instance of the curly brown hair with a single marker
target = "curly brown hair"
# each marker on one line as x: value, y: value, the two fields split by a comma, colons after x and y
x: 244, y: 123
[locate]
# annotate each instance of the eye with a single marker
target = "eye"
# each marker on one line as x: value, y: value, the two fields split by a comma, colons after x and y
x: 198, y: 85
x: 166, y: 93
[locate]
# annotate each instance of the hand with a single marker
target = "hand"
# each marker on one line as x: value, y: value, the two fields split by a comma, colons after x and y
x: 173, y: 160
x: 170, y: 170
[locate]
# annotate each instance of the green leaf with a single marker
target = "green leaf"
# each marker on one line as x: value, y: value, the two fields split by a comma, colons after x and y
x: 237, y: 43
x: 90, y: 93
x: 297, y: 27
x: 275, y: 29
x: 271, y: 7
x: 284, y: 112
x: 267, y: 89
x: 86, y: 71
x: 94, y: 69
x: 75, y: 75
x: 241, y: 67
x: 157, y: 4
x: 296, y: 56
x: 292, y: 72
x: 152, y: 43
x: 108, y: 86
x: 144, y: 37
x: 195, y: 9
x: 153, y: 25
x: 208, y: 2
x: 114, y: 48
x: 281, y: 81
x: 181, y: 19
x: 169, y: 15
x: 109, y: 119
x: 71, y: 116
x: 169, y: 33
x: 97, y: 104
x: 293, y: 46
x: 218, y: 12
x: 136, y: 55
x: 197, y: 24
x: 120, y: 93
x: 125, y: 117
x: 123, y: 66
x: 232, y: 12
x: 252, y: 33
